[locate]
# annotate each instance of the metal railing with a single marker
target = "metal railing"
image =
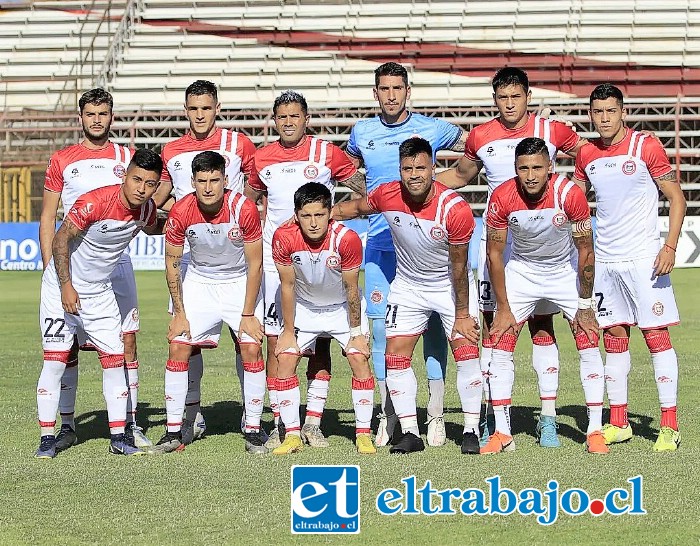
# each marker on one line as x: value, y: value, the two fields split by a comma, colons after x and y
x: 16, y: 194
x: 120, y: 40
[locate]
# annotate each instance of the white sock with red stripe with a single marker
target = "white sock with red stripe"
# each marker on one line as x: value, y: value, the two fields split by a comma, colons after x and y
x: 665, y: 362
x: 469, y: 385
x: 403, y: 388
x: 316, y: 397
x: 176, y: 372
x: 289, y: 398
x: 253, y: 393
x: 132, y: 380
x: 272, y: 397
x: 484, y: 364
x: 48, y: 390
x: 545, y: 361
x: 618, y: 362
x: 592, y: 374
x: 193, y: 404
x: 501, y: 381
x: 115, y: 391
x: 69, y: 390
x: 363, y: 402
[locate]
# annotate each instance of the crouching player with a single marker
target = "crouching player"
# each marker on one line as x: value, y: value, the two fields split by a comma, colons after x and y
x: 431, y: 226
x: 77, y: 295
x: 548, y: 217
x: 222, y: 284
x: 319, y: 266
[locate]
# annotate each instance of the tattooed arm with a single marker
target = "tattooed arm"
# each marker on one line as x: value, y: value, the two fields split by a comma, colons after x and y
x: 495, y: 246
x: 585, y: 318
x: 352, y: 293
x: 356, y: 183
x: 462, y: 174
x: 465, y: 325
x: 179, y: 325
x: 461, y: 141
x: 347, y: 210
x: 61, y: 259
x: 672, y: 191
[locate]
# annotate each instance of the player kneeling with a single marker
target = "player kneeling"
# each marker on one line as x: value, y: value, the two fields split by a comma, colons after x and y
x: 77, y: 295
x: 222, y: 284
x: 319, y: 266
x: 550, y: 224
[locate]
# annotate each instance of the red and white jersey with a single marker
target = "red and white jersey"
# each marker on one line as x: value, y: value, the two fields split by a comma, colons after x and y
x: 318, y: 266
x: 494, y: 145
x: 76, y: 170
x: 216, y: 242
x: 108, y: 227
x: 237, y: 149
x: 541, y: 232
x: 627, y: 197
x: 282, y: 171
x: 422, y: 233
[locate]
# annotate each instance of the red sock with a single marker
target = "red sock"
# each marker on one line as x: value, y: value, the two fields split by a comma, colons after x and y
x: 618, y: 415
x: 668, y: 418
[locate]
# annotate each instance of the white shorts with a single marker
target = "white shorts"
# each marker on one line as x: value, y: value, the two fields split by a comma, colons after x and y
x: 627, y: 293
x: 97, y: 323
x: 273, y: 303
x: 529, y: 288
x: 310, y: 324
x: 408, y: 308
x: 209, y: 305
x: 124, y: 287
x: 487, y: 299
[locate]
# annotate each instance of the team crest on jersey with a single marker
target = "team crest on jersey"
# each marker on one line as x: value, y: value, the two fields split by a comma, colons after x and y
x: 227, y: 160
x: 559, y: 219
x: 333, y: 261
x: 629, y: 167
x: 658, y: 308
x: 119, y: 170
x: 234, y: 234
x: 311, y: 172
x: 437, y: 233
x: 376, y: 297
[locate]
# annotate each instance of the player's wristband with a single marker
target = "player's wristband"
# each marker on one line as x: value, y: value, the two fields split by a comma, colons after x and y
x: 586, y: 303
x: 356, y: 331
x: 247, y: 314
x: 669, y: 246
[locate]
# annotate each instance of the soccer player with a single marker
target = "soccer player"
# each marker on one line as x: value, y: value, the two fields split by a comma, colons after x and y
x: 282, y: 168
x: 431, y: 226
x: 77, y: 294
x: 202, y: 107
x: 73, y: 171
x: 319, y: 266
x: 550, y: 224
x: 491, y: 146
x: 222, y: 285
x: 374, y: 143
x: 632, y: 286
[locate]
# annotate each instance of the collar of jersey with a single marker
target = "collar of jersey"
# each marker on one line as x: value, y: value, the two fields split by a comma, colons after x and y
x: 399, y: 124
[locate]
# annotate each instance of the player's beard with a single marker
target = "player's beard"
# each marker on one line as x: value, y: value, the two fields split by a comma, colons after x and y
x: 96, y: 138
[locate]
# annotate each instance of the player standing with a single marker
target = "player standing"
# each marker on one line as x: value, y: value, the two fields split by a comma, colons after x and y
x: 548, y: 218
x: 491, y: 146
x: 282, y: 168
x: 77, y: 294
x: 222, y: 285
x: 431, y: 226
x: 202, y: 107
x: 73, y: 171
x: 374, y: 143
x: 319, y: 266
x: 626, y: 170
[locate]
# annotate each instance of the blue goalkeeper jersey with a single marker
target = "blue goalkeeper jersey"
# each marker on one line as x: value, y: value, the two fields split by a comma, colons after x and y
x: 377, y: 144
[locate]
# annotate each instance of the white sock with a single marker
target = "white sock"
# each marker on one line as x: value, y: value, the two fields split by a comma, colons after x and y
x: 618, y: 362
x: 132, y: 380
x: 289, y: 398
x: 254, y: 394
x: 545, y: 361
x: 469, y: 385
x: 272, y: 397
x: 115, y: 391
x: 69, y: 390
x: 316, y: 397
x: 363, y: 402
x: 402, y: 384
x: 48, y: 390
x: 593, y: 381
x: 501, y: 413
x: 176, y: 373
x: 501, y: 382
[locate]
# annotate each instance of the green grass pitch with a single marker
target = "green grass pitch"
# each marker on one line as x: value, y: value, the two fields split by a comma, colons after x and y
x: 213, y: 492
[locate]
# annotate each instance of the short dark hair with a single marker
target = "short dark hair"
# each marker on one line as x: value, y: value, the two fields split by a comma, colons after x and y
x: 531, y: 146
x: 390, y: 69
x: 96, y: 96
x: 606, y: 90
x: 312, y: 192
x: 290, y: 97
x: 208, y: 162
x: 148, y: 160
x: 510, y: 75
x: 414, y: 146
x: 202, y: 87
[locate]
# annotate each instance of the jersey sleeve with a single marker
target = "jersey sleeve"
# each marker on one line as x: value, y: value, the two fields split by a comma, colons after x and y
x: 86, y: 211
x: 352, y: 147
x: 460, y: 224
x: 54, y: 176
x: 563, y: 136
x: 281, y: 253
x: 497, y: 215
x: 254, y: 181
x: 576, y: 205
x: 375, y: 197
x: 175, y: 228
x: 654, y: 155
x: 350, y: 249
x: 447, y: 134
x: 341, y: 166
x: 470, y: 148
x: 580, y: 168
x: 249, y: 220
x: 165, y: 174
